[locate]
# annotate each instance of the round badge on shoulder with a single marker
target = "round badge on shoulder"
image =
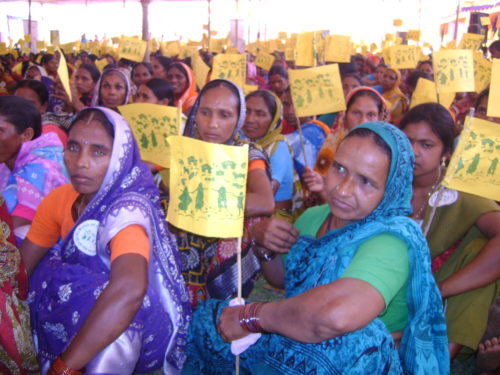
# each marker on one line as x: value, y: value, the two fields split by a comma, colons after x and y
x: 85, y: 236
x: 447, y: 197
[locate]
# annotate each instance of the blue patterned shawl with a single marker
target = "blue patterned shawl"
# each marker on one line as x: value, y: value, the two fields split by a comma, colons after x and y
x: 126, y: 196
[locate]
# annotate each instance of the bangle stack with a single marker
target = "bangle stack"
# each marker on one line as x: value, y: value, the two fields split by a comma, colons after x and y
x: 60, y: 368
x: 262, y: 253
x: 249, y: 319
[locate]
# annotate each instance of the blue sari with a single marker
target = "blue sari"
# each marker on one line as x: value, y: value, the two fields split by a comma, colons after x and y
x: 68, y: 281
x: 318, y: 261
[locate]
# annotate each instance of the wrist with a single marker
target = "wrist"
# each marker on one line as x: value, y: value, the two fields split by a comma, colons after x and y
x: 262, y: 253
x: 60, y: 368
x: 249, y: 317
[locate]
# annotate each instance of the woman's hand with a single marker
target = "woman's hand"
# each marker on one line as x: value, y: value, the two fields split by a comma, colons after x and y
x: 274, y: 234
x: 229, y: 327
x: 313, y: 180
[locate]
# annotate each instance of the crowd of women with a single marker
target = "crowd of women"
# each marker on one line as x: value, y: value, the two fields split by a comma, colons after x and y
x: 384, y: 269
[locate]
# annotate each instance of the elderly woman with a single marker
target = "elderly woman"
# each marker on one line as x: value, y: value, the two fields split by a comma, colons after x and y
x: 112, y: 90
x: 360, y: 294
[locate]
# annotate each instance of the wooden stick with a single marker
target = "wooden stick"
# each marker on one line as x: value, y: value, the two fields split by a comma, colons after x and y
x: 240, y: 293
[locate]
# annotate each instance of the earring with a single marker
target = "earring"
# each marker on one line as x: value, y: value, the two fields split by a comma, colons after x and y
x: 443, y: 162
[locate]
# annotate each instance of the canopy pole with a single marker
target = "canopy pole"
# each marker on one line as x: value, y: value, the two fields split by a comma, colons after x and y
x: 145, y: 19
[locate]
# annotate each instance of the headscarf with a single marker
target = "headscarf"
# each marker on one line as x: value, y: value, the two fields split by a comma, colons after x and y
x: 332, y: 142
x: 270, y: 140
x: 96, y: 98
x: 188, y: 97
x: 397, y: 99
x: 54, y: 105
x: 424, y: 346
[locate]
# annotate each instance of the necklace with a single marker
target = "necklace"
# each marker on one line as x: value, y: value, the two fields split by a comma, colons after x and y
x: 435, y: 185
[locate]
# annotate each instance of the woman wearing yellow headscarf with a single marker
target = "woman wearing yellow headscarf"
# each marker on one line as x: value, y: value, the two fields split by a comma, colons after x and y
x: 398, y: 102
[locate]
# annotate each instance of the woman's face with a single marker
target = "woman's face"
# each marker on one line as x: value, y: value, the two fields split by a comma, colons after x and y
x: 258, y: 118
x: 482, y: 110
x: 11, y: 141
x: 140, y: 75
x: 379, y: 74
x: 363, y: 109
x: 426, y: 68
x: 389, y: 80
x: 349, y: 84
x: 178, y: 81
x: 217, y: 115
x: 355, y: 184
x: 29, y: 94
x: 83, y: 81
x: 51, y: 66
x: 427, y: 147
x: 87, y: 156
x: 146, y: 95
x: 113, y: 90
x: 158, y: 69
x: 278, y: 84
x: 34, y: 73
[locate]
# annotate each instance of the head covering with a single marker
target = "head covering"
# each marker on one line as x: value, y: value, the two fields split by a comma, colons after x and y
x: 393, y: 94
x: 96, y: 99
x: 41, y: 69
x: 191, y: 129
x: 188, y: 97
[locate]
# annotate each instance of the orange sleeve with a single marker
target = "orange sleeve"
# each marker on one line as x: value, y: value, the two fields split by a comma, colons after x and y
x: 256, y: 164
x: 130, y: 240
x: 53, y: 217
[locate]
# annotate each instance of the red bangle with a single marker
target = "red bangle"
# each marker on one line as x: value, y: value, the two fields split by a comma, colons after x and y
x: 60, y: 368
x: 249, y: 319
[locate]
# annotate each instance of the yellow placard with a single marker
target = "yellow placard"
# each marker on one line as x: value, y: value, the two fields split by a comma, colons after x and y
x: 339, y: 48
x: 40, y: 44
x: 264, y: 60
x: 152, y: 124
x: 404, y: 57
x: 494, y: 95
x: 386, y: 55
x: 471, y: 41
x: 316, y: 90
x: 282, y: 35
x: 54, y: 37
x: 101, y: 64
x: 290, y: 54
x: 216, y: 45
x: 473, y: 166
x: 425, y: 92
x: 305, y: 49
x: 171, y: 49
x: 247, y: 89
x: 115, y: 40
x: 485, y: 21
x: 132, y: 49
x: 398, y: 22
x: 27, y: 38
x: 62, y: 72
x: 389, y: 37
x: 414, y: 35
x: 454, y: 70
x: 207, y: 187
x: 446, y: 98
x: 67, y: 47
x: 200, y: 70
x: 230, y: 66
x: 482, y: 71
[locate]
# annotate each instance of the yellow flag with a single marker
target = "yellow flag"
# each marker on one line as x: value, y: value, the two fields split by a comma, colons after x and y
x: 446, y: 98
x: 494, y: 96
x: 132, y: 49
x: 451, y: 44
x: 151, y: 125
x: 485, y: 21
x: 338, y: 48
x: 414, y: 35
x: 40, y: 44
x: 247, y: 89
x: 454, y: 70
x: 171, y: 49
x: 216, y: 45
x: 404, y: 57
x: 282, y: 35
x: 200, y: 70
x: 290, y: 54
x: 316, y: 90
x: 473, y: 166
x: 101, y: 64
x: 398, y: 22
x: 54, y: 37
x: 207, y: 187
x: 264, y: 60
x: 305, y: 52
x: 62, y: 72
x: 471, y: 41
x: 27, y: 38
x: 425, y: 92
x: 230, y: 66
x: 482, y: 71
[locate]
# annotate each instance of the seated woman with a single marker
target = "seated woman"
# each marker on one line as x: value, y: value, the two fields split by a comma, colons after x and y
x: 17, y: 351
x: 110, y: 298
x: 463, y: 230
x: 155, y: 91
x: 141, y: 73
x: 217, y: 117
x: 398, y: 103
x: 160, y: 66
x: 37, y: 94
x: 263, y: 126
x: 278, y: 80
x: 82, y: 89
x: 482, y: 107
x: 358, y: 270
x: 112, y: 90
x: 181, y: 77
x: 31, y: 163
x: 37, y: 73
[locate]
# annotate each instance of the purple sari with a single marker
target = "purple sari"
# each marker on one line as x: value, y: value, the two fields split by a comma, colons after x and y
x: 67, y: 282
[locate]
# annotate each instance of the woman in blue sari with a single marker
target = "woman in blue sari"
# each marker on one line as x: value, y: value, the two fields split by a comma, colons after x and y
x: 334, y: 319
x: 111, y: 298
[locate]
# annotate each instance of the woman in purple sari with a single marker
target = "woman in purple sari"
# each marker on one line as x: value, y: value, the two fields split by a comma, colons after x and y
x: 110, y: 299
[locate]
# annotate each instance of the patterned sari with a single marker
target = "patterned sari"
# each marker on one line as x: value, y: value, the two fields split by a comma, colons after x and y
x: 67, y: 282
x: 317, y: 261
